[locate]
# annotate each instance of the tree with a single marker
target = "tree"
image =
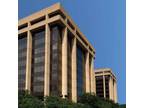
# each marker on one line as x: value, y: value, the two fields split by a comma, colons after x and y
x: 57, y: 102
x: 25, y: 100
x: 97, y: 102
x: 86, y: 101
x: 123, y: 106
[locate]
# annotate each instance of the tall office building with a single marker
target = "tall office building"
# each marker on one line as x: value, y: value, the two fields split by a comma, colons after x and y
x: 54, y: 57
x: 106, y: 84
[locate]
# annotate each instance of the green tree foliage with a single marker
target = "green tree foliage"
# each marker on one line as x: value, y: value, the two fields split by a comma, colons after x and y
x: 123, y: 106
x: 56, y: 102
x: 96, y: 102
x: 25, y: 100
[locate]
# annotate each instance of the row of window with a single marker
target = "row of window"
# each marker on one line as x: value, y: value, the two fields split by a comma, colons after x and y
x: 38, y: 49
x: 22, y: 54
x: 55, y: 78
x: 80, y: 71
x: 22, y: 49
x: 38, y: 53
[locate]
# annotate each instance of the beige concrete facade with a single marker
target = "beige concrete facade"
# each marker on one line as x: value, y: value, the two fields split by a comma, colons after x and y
x: 45, y: 18
x: 28, y: 61
x: 47, y: 61
x: 87, y: 74
x: 108, y: 83
x: 93, y: 86
x: 64, y: 63
x: 74, y: 73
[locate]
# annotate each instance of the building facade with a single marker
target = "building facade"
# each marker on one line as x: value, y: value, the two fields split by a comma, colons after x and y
x: 54, y: 57
x: 106, y: 84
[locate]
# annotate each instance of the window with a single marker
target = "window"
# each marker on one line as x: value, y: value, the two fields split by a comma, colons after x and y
x: 80, y: 70
x: 55, y: 75
x: 22, y: 46
x: 38, y: 46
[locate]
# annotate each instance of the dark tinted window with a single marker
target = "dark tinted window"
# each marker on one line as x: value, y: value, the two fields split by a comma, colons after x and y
x: 107, y: 85
x: 99, y: 86
x: 22, y: 50
x: 80, y: 71
x: 38, y: 48
x: 55, y: 75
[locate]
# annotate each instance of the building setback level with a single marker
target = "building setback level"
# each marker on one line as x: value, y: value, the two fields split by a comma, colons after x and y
x: 106, y: 84
x: 54, y: 57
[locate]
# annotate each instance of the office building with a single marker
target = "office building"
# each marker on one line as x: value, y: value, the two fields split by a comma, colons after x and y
x: 106, y: 84
x: 54, y: 57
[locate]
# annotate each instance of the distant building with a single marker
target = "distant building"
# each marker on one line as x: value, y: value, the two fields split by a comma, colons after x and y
x: 54, y: 57
x: 106, y: 84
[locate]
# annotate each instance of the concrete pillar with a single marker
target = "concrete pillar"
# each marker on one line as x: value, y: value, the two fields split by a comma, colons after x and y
x: 64, y: 63
x: 87, y: 74
x: 104, y: 86
x: 93, y: 86
x: 115, y: 92
x: 110, y: 88
x: 74, y: 70
x: 116, y: 95
x: 28, y: 61
x: 47, y: 61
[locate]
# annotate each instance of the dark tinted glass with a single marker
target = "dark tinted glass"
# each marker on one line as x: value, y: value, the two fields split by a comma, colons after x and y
x: 56, y: 62
x: 107, y: 85
x: 99, y: 86
x: 38, y: 48
x: 22, y: 46
x: 80, y: 71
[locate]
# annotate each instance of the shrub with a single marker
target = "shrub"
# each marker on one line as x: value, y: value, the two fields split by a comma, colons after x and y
x: 28, y: 101
x: 25, y: 100
x: 56, y: 102
x: 123, y: 106
x: 97, y: 102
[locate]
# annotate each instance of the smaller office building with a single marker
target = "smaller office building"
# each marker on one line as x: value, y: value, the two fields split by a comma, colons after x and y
x: 106, y: 84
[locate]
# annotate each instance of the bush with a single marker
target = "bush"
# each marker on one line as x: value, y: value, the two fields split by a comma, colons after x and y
x: 97, y: 102
x: 25, y: 100
x: 123, y: 106
x: 56, y: 102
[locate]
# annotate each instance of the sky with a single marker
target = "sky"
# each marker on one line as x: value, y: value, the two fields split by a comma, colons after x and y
x: 103, y: 24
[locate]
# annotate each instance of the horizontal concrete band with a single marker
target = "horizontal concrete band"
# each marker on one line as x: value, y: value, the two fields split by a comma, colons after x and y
x: 49, y: 21
x: 78, y: 38
x: 50, y: 10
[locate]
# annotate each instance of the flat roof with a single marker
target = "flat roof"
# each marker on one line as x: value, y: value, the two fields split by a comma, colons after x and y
x: 107, y: 71
x: 50, y: 10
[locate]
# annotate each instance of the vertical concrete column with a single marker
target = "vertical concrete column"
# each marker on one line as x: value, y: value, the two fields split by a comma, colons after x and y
x: 110, y: 88
x: 104, y: 86
x: 87, y: 74
x: 64, y: 63
x: 93, y: 86
x: 116, y: 95
x: 47, y: 61
x: 74, y: 70
x: 28, y: 61
x: 115, y: 92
